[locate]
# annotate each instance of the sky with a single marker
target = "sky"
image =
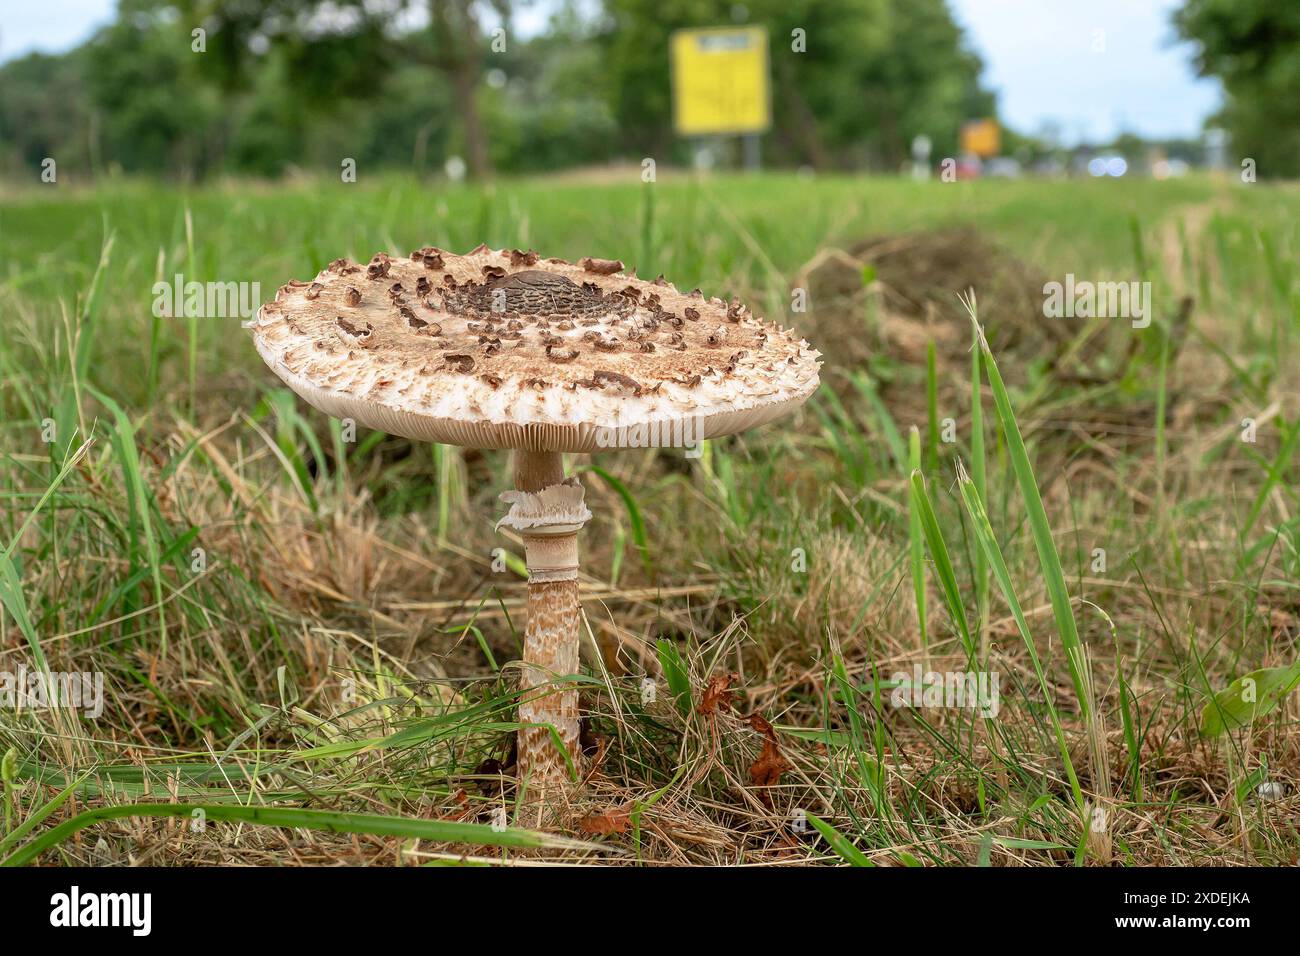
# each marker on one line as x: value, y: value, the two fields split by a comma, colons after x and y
x: 1095, y: 68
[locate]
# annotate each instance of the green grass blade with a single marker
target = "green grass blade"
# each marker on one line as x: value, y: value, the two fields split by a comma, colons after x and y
x: 639, y: 536
x: 932, y: 407
x: 1048, y: 558
x: 916, y: 536
x: 331, y: 821
x: 674, y: 668
x: 920, y: 499
x: 11, y: 596
x: 1276, y: 471
x: 123, y: 438
x: 888, y: 427
x: 39, y: 816
x: 997, y: 564
x: 978, y: 472
x: 1249, y: 698
x: 841, y: 844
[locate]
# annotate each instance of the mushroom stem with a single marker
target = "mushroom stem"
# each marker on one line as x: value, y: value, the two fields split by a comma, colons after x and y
x: 548, y: 517
x: 535, y: 470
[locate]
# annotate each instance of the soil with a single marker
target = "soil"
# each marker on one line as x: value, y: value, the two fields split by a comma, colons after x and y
x: 889, y: 295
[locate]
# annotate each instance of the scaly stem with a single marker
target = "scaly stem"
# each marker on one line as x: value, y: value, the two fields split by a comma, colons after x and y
x: 550, y: 639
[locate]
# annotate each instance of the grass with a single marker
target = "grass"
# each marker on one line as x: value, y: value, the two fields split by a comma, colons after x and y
x: 311, y: 636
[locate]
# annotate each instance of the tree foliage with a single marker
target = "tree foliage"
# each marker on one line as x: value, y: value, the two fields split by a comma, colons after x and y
x: 869, y: 75
x: 1253, y: 46
x: 281, y: 84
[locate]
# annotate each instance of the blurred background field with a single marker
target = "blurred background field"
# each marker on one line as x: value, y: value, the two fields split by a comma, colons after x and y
x: 289, y: 621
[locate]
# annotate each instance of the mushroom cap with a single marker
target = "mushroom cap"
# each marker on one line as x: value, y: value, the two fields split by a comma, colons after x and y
x: 502, y: 349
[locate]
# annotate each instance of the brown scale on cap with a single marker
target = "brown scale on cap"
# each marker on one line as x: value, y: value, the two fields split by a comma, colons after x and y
x: 602, y: 267
x: 521, y: 319
x: 604, y: 376
x: 364, y: 337
x: 734, y: 361
x: 420, y: 326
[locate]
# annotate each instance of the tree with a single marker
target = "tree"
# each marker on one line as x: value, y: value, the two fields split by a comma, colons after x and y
x: 44, y: 113
x: 193, y: 87
x: 1253, y: 47
x: 871, y: 75
x: 346, y: 48
x: 457, y: 41
x: 150, y: 112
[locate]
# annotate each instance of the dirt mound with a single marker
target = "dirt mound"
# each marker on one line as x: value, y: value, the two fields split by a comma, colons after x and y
x: 890, y: 295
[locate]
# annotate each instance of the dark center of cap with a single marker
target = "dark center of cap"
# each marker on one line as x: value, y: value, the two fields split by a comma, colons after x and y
x: 535, y: 293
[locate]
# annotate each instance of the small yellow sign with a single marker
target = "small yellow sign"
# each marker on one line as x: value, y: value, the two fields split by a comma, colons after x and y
x: 720, y: 81
x: 981, y: 137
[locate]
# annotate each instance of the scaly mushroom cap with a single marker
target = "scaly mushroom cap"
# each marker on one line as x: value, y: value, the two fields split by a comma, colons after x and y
x: 506, y: 350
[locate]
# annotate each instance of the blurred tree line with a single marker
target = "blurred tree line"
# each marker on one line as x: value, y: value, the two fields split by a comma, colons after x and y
x: 270, y: 86
x: 1253, y: 46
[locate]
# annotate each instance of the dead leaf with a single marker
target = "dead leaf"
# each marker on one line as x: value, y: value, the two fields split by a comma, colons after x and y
x: 604, y: 824
x: 466, y: 811
x: 717, y: 695
x: 762, y: 725
x: 767, y: 769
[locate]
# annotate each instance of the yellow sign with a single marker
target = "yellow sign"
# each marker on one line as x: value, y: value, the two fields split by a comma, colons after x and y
x: 720, y: 81
x: 981, y: 137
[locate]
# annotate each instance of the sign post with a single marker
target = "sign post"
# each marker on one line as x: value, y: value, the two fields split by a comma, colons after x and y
x: 982, y: 138
x: 720, y: 85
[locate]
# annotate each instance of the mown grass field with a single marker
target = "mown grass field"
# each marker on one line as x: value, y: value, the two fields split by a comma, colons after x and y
x: 307, y: 644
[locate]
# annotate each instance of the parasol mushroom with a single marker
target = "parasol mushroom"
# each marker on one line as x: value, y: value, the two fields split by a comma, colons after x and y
x: 501, y: 349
